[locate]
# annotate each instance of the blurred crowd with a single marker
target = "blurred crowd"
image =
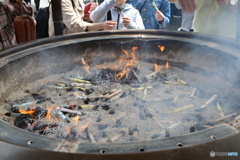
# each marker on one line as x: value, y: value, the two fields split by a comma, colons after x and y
x: 216, y: 17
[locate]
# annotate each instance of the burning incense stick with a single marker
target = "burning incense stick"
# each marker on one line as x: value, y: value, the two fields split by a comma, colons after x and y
x: 25, y: 104
x: 115, y: 138
x: 149, y: 124
x: 141, y: 88
x: 181, y: 109
x: 208, y: 102
x: 116, y: 97
x: 158, y: 122
x: 145, y: 93
x: 136, y: 76
x: 193, y: 92
x: 88, y: 91
x: 219, y: 108
x: 165, y: 121
x: 224, y: 119
x: 70, y: 111
x: 174, y: 102
x: 174, y: 125
x: 86, y: 106
x: 113, y: 94
x: 63, y: 116
x: 78, y: 80
x: 155, y: 6
x: 153, y: 74
x: 90, y: 135
x: 179, y: 82
x: 80, y: 85
x: 62, y: 88
x: 86, y: 65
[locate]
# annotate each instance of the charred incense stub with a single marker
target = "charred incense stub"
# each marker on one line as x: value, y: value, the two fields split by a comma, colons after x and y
x: 207, y: 103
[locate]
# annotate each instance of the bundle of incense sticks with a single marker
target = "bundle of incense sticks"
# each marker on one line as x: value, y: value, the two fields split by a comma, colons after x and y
x: 155, y: 6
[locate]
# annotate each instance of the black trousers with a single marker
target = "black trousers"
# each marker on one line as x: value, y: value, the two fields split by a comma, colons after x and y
x: 37, y: 4
x: 42, y: 18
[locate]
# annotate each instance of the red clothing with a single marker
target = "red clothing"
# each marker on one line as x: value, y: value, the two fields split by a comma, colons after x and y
x: 7, y: 32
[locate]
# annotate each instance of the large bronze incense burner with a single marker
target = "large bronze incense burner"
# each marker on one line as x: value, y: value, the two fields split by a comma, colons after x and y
x: 146, y: 94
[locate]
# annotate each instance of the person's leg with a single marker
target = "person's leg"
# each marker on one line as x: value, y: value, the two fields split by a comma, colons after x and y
x: 37, y: 4
x: 186, y: 21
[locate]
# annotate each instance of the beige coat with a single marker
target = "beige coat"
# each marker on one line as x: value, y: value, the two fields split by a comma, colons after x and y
x: 72, y: 17
x: 211, y: 18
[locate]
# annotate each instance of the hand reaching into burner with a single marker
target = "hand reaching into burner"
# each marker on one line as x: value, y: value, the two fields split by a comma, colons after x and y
x: 223, y: 3
x: 109, y: 25
x: 159, y: 16
x: 187, y: 5
x: 126, y: 21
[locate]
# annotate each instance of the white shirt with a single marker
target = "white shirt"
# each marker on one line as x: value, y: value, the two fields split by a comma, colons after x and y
x: 44, y: 3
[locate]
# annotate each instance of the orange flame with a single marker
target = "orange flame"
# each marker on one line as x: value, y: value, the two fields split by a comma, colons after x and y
x: 75, y: 119
x: 126, y: 52
x: 48, y: 115
x: 68, y: 129
x: 130, y: 63
x: 72, y: 106
x: 26, y: 112
x: 162, y: 48
x: 167, y: 65
x: 133, y: 53
x: 82, y: 128
x: 157, y: 67
x: 87, y: 67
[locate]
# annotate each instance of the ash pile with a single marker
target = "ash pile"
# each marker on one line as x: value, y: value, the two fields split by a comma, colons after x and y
x: 134, y: 101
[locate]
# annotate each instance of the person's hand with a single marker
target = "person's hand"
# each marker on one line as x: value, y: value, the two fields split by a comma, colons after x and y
x: 109, y: 25
x: 159, y: 16
x: 93, y: 6
x: 126, y: 21
x: 188, y: 5
x: 87, y: 15
x: 223, y: 3
x: 234, y: 8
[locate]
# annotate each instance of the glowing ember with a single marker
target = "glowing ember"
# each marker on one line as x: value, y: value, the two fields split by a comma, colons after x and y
x: 87, y: 67
x: 167, y: 65
x: 75, y: 120
x: 26, y: 112
x: 132, y: 62
x: 162, y: 48
x: 48, y: 115
x: 82, y: 128
x: 157, y: 67
x: 68, y: 129
x: 126, y: 52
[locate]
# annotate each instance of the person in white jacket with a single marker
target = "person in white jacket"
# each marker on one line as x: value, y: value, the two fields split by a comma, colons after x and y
x: 119, y: 11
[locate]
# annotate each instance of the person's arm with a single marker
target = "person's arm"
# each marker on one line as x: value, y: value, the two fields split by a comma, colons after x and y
x: 187, y: 5
x: 163, y: 16
x: 107, y: 25
x: 231, y: 4
x: 100, y: 12
x: 70, y: 18
x: 76, y: 24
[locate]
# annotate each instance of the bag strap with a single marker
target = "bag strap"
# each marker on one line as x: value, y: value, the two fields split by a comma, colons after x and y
x: 20, y: 6
x: 73, y: 4
x: 109, y: 15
